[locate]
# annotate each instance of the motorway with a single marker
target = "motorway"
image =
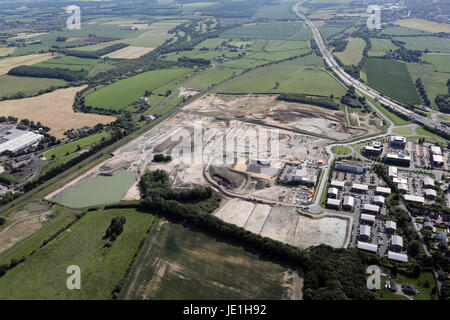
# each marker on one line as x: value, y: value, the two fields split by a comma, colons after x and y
x: 350, y: 81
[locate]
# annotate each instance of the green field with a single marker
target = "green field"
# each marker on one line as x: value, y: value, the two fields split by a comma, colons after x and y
x: 98, y: 190
x: 275, y: 11
x: 353, y: 53
x: 329, y: 32
x: 419, y: 283
x: 72, y: 146
x: 179, y: 262
x: 440, y: 62
x: 392, y: 78
x: 67, y: 62
x: 277, y: 55
x: 212, y: 77
x: 270, y: 30
x: 101, y: 268
x: 393, y: 117
x: 402, y: 131
x: 432, y: 44
x: 380, y: 47
x: 401, y: 31
x: 301, y: 75
x: 280, y: 45
x: 118, y: 95
x: 421, y: 131
x: 11, y: 85
x: 434, y: 82
x: 341, y: 150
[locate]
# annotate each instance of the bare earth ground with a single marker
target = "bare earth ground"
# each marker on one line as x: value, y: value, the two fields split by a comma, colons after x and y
x: 295, y: 116
x: 129, y: 53
x: 54, y: 110
x: 12, y: 62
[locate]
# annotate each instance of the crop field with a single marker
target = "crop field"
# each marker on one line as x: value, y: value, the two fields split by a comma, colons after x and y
x: 402, y: 31
x: 392, y: 78
x: 54, y: 110
x: 81, y: 245
x: 178, y: 262
x: 440, y: 62
x: 11, y: 85
x: 118, y: 95
x: 434, y: 82
x: 380, y: 47
x: 12, y: 62
x: 280, y: 45
x: 329, y: 32
x: 296, y: 76
x: 72, y: 146
x: 270, y: 30
x: 174, y: 56
x: 4, y: 51
x: 96, y: 190
x: 67, y: 62
x: 277, y: 55
x: 129, y: 53
x: 275, y: 11
x: 424, y: 25
x: 433, y: 44
x: 353, y: 52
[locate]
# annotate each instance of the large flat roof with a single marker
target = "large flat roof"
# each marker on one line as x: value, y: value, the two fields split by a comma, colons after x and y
x: 359, y: 186
x: 368, y: 217
x: 397, y: 256
x: 336, y: 183
x: 412, y: 198
x: 383, y: 190
x: 371, y: 208
x: 367, y: 246
x: 334, y: 202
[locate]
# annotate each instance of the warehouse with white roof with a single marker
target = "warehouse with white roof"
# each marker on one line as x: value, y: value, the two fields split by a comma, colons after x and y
x: 397, y: 256
x: 16, y: 140
x: 367, y: 246
x: 372, y: 208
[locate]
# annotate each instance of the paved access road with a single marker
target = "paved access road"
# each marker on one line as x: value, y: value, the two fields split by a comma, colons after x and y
x: 348, y: 80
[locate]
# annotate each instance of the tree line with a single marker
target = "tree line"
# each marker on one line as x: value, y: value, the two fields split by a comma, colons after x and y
x: 43, y: 72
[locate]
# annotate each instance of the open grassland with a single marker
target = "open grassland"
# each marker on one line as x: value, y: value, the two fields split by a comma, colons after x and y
x: 4, y: 51
x: 277, y: 55
x: 60, y: 218
x: 72, y: 146
x: 392, y: 78
x: 402, y: 131
x: 380, y: 47
x: 54, y: 110
x: 197, y: 54
x: 432, y: 44
x: 270, y: 30
x: 440, y: 62
x: 341, y: 150
x: 328, y: 32
x: 402, y: 31
x: 212, y: 77
x: 434, y: 82
x: 118, y: 95
x: 353, y: 52
x: 12, y: 62
x: 280, y: 45
x: 178, y: 262
x: 421, y: 131
x: 302, y: 75
x: 391, y: 116
x: 11, y: 85
x: 424, y: 25
x: 67, y: 62
x: 81, y: 245
x: 275, y: 11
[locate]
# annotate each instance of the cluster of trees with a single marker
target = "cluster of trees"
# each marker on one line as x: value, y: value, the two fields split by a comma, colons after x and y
x: 197, y: 61
x: 329, y: 272
x: 92, y: 54
x: 327, y: 103
x: 42, y: 72
x: 422, y: 92
x: 399, y: 114
x: 161, y: 158
x: 115, y: 228
x: 339, y: 44
x: 437, y: 131
x: 66, y: 165
x: 403, y: 54
x: 443, y: 100
x: 352, y: 100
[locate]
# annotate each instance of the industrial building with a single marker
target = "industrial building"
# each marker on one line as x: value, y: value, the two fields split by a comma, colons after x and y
x: 337, y: 184
x: 14, y: 140
x: 412, y: 198
x: 428, y: 182
x: 364, y: 233
x: 391, y: 226
x: 438, y: 161
x: 436, y: 150
x: 367, y: 246
x: 397, y: 142
x: 383, y: 191
x: 333, y: 203
x: 349, y: 203
x: 305, y: 174
x: 333, y: 192
x: 400, y: 180
x: 396, y: 243
x: 372, y: 208
x: 360, y: 188
x: 351, y: 166
x: 399, y: 159
x: 397, y: 256
x: 367, y: 218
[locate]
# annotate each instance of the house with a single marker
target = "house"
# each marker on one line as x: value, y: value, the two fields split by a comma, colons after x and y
x: 397, y: 243
x: 351, y: 166
x: 401, y: 257
x: 333, y: 192
x: 144, y: 100
x: 430, y: 194
x: 383, y: 191
x: 333, y: 203
x: 391, y: 226
x: 372, y: 208
x: 442, y: 240
x: 349, y: 203
x: 409, y: 289
x: 428, y: 225
x: 364, y: 233
x: 378, y: 200
x: 367, y: 219
x: 397, y: 142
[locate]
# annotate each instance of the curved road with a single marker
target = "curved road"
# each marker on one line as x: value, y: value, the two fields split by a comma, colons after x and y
x: 348, y: 80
